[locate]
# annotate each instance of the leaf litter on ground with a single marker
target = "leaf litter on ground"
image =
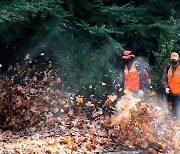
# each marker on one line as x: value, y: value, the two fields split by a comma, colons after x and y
x: 36, y: 117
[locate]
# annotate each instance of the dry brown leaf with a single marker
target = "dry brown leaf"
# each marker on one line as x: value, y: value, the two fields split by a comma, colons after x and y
x: 107, y: 122
x: 58, y: 80
x: 150, y: 100
x: 109, y: 103
x: 45, y: 135
x: 100, y: 101
x: 67, y: 139
x: 114, y: 121
x: 71, y: 112
x: 19, y: 101
x: 102, y: 83
x: 90, y: 87
x: 79, y: 110
x: 20, y: 140
x: 51, y: 142
x: 144, y: 144
x: 89, y: 103
x: 112, y: 97
x: 153, y: 93
x: 91, y: 132
x: 34, y: 78
x: 27, y: 57
x: 79, y: 99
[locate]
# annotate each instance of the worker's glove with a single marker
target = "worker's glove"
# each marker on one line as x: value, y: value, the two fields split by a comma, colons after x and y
x: 167, y: 90
x: 120, y: 89
x: 140, y: 93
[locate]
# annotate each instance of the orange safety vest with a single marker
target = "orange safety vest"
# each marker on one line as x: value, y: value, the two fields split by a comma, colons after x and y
x: 174, y: 80
x: 131, y: 78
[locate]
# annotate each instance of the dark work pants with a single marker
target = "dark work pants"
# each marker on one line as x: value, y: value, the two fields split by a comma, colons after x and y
x: 175, y: 99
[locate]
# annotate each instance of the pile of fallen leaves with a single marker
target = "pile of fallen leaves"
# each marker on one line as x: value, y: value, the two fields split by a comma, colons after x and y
x: 142, y: 124
x: 56, y: 122
x: 27, y: 97
x: 136, y: 125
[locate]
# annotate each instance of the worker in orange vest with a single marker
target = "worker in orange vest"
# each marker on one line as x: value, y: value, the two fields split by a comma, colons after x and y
x: 134, y: 76
x: 171, y: 83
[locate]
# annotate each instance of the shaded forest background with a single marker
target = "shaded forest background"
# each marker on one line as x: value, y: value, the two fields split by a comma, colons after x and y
x: 84, y: 39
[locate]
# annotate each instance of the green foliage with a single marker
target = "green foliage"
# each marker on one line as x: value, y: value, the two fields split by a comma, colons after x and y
x: 19, y: 15
x: 168, y: 44
x: 84, y: 37
x: 80, y: 65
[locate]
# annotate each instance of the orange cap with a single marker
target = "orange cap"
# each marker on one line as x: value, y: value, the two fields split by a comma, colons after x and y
x: 174, y: 56
x: 127, y: 54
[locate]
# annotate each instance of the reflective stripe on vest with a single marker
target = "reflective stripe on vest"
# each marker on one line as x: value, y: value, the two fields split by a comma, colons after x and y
x: 131, y: 78
x: 174, y: 80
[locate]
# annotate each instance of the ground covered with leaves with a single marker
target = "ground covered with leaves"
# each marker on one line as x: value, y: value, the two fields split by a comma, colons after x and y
x: 38, y: 118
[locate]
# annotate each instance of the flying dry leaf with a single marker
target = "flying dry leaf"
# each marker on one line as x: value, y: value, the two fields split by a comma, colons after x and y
x: 79, y: 99
x: 161, y: 113
x: 94, y: 140
x: 89, y: 103
x: 32, y: 90
x: 18, y: 101
x: 20, y: 140
x: 107, y: 122
x: 84, y: 150
x: 71, y: 112
x: 91, y: 132
x: 64, y: 102
x: 90, y: 87
x: 45, y: 135
x: 148, y: 91
x: 50, y: 142
x: 44, y: 108
x: 124, y: 107
x: 172, y: 152
x: 55, y: 110
x: 138, y: 140
x: 67, y: 139
x: 42, y: 54
x: 114, y: 121
x: 150, y: 100
x: 58, y: 80
x: 27, y: 56
x: 79, y: 110
x: 74, y: 147
x: 112, y: 97
x: 34, y: 78
x: 109, y: 103
x: 103, y: 26
x: 100, y: 101
x: 153, y: 93
x: 102, y: 83
x: 136, y: 122
x: 144, y: 145
x: 170, y: 105
x: 97, y: 113
x: 34, y: 141
x: 127, y: 143
x: 89, y: 145
x: 127, y: 92
x: 150, y: 138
